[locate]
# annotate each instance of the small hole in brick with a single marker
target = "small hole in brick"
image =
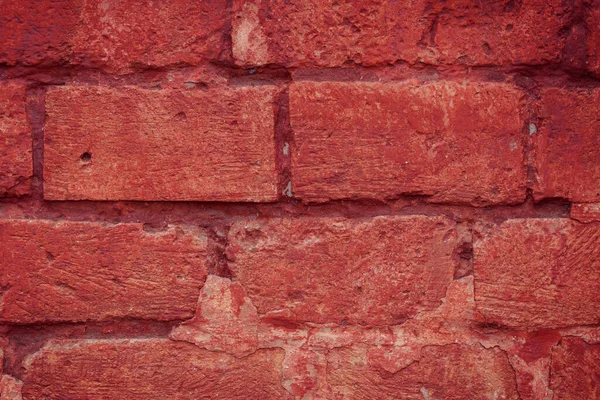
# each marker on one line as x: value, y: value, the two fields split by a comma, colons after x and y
x: 86, y: 157
x: 486, y: 48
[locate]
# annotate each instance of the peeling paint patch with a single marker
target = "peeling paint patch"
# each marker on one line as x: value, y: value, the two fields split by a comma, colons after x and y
x: 249, y: 42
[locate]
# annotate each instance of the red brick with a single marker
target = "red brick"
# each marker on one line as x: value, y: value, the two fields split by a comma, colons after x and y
x: 215, y: 145
x: 585, y: 212
x: 575, y: 371
x: 323, y: 33
x: 16, y: 165
x: 539, y: 273
x: 568, y: 146
x: 332, y: 33
x: 501, y: 32
x: 149, y: 369
x: 443, y: 372
x: 225, y: 320
x: 373, y: 272
x: 455, y: 142
x: 10, y: 388
x: 124, y: 35
x: 80, y: 271
x: 115, y: 35
x: 35, y: 32
x: 593, y: 38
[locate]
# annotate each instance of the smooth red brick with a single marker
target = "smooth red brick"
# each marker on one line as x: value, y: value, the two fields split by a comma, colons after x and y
x: 443, y: 372
x: 575, y: 370
x: 16, y: 165
x: 539, y: 273
x: 39, y: 31
x: 333, y: 33
x: 149, y: 369
x: 124, y: 35
x: 373, y: 272
x: 455, y: 142
x: 80, y: 271
x: 215, y: 145
x: 568, y: 146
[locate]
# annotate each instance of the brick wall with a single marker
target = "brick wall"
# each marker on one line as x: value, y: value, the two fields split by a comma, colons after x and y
x: 310, y: 199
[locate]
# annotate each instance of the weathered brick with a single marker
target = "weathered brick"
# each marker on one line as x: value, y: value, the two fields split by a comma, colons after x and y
x: 114, y: 35
x: 150, y: 369
x: 332, y: 33
x: 500, y: 32
x: 134, y: 144
x: 539, y: 273
x: 325, y: 33
x: 10, y: 388
x: 225, y: 320
x: 455, y: 142
x: 16, y: 165
x: 593, y: 38
x: 35, y: 32
x: 123, y: 35
x: 585, y: 212
x: 373, y: 272
x: 575, y: 370
x: 443, y: 372
x: 568, y: 146
x: 80, y: 271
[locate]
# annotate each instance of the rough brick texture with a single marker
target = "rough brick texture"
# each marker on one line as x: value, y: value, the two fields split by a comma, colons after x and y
x: 539, y: 273
x: 593, y: 38
x: 568, y: 147
x: 173, y: 145
x: 372, y: 140
x: 118, y: 36
x: 37, y: 32
x: 585, y: 212
x: 448, y: 372
x: 157, y: 369
x: 16, y: 165
x: 374, y: 272
x: 331, y: 33
x: 79, y: 271
x: 574, y: 370
x: 300, y: 199
x: 124, y: 35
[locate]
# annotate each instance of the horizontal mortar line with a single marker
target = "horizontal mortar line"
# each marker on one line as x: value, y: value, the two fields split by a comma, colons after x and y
x: 208, y: 214
x: 277, y: 74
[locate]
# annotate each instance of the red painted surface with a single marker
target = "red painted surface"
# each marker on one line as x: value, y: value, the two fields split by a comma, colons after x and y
x: 575, y: 370
x: 317, y: 199
x: 78, y: 271
x: 569, y: 145
x: 331, y: 33
x: 372, y: 272
x: 371, y: 140
x: 15, y: 153
x: 131, y: 144
x: 538, y: 273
